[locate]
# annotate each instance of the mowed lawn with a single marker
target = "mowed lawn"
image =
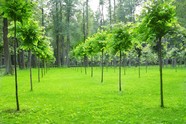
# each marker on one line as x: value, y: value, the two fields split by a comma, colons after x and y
x: 69, y: 96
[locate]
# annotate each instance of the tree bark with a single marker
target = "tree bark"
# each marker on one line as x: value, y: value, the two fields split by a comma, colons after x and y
x: 120, y: 70
x: 15, y: 66
x: 8, y: 67
x: 102, y: 68
x: 114, y: 11
x: 62, y: 35
x: 92, y: 69
x: 139, y: 64
x: 21, y: 59
x: 161, y: 74
x: 110, y: 14
x: 68, y: 37
x: 30, y: 66
x: 39, y: 70
x: 58, y: 59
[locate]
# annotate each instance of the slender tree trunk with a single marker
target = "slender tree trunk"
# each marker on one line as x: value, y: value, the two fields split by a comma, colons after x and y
x: 39, y: 70
x: 68, y: 40
x: 63, y: 49
x: 139, y: 65
x: 92, y: 69
x: 30, y: 66
x: 57, y: 37
x: 8, y: 67
x: 110, y: 14
x: 102, y: 68
x: 124, y: 65
x: 62, y: 34
x: 146, y: 65
x: 175, y: 64
x: 15, y: 66
x: 114, y: 11
x: 87, y: 16
x: 42, y: 67
x: 85, y: 64
x: 86, y: 35
x: 120, y: 70
x: 161, y: 74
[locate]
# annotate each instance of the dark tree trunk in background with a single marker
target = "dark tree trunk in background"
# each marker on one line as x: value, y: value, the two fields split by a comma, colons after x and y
x: 84, y: 36
x: 58, y: 59
x: 8, y: 67
x: 114, y: 11
x: 62, y: 35
x: 34, y: 61
x: 161, y: 74
x: 110, y: 14
x: 87, y: 16
x: 124, y: 65
x: 68, y: 36
x: 21, y: 59
x: 146, y: 63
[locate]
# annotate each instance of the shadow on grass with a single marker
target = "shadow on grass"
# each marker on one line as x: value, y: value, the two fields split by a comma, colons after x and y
x: 14, y: 111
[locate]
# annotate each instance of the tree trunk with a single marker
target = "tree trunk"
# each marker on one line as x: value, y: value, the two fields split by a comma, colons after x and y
x: 175, y: 61
x: 8, y: 67
x: 146, y: 65
x: 161, y: 74
x: 21, y: 59
x: 63, y: 50
x: 39, y: 70
x: 114, y: 11
x: 34, y: 61
x: 110, y: 14
x: 62, y: 35
x: 120, y: 70
x: 15, y: 66
x: 139, y: 67
x: 57, y: 37
x: 30, y: 66
x: 92, y: 71
x: 42, y: 67
x: 102, y: 68
x: 68, y: 39
x: 85, y: 63
x: 87, y: 16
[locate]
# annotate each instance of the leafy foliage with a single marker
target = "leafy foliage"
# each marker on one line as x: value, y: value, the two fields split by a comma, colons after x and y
x: 159, y: 17
x: 17, y: 9
x: 121, y: 38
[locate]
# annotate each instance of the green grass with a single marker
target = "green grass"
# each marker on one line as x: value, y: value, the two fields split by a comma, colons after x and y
x: 67, y: 96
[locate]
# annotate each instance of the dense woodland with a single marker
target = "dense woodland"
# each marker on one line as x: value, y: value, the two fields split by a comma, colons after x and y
x: 65, y: 24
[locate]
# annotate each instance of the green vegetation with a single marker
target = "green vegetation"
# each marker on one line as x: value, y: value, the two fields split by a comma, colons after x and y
x: 66, y: 95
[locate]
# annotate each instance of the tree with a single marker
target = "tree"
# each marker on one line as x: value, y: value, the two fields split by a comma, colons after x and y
x: 17, y: 11
x: 138, y: 49
x: 159, y: 17
x: 8, y: 67
x: 121, y: 42
x: 31, y: 34
x: 100, y: 44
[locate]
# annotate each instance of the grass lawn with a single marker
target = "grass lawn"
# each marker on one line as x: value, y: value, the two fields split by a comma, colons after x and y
x: 68, y: 96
